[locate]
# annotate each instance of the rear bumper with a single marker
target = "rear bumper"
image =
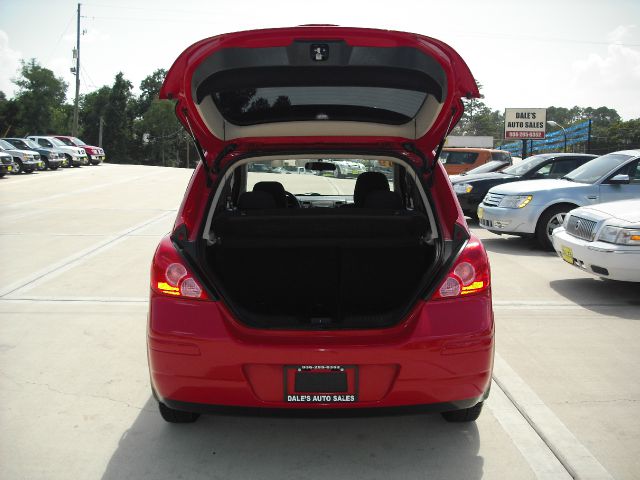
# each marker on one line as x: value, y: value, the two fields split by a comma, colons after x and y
x: 201, y: 359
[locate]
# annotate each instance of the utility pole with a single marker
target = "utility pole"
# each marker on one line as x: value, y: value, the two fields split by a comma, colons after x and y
x: 74, y: 130
x: 100, y: 131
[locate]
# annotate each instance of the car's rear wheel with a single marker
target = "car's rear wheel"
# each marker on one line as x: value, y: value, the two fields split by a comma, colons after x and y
x: 176, y: 416
x: 550, y: 219
x: 464, y: 415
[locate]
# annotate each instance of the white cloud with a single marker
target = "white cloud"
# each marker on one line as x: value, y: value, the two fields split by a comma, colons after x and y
x: 9, y: 64
x: 611, y: 78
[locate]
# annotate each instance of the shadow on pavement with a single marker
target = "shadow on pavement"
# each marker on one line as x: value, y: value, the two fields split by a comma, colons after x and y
x: 515, y: 246
x: 247, y: 447
x: 608, y: 297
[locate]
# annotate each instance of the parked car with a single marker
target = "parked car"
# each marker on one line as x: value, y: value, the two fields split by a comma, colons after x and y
x: 96, y: 154
x: 491, y: 166
x: 473, y: 187
x: 26, y: 161
x: 6, y: 163
x: 75, y: 156
x: 348, y: 168
x: 602, y: 239
x: 459, y: 160
x: 537, y: 207
x: 256, y: 302
x: 259, y: 167
x: 50, y: 159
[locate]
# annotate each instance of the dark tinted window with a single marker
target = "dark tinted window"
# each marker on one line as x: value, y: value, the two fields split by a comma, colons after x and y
x: 280, y: 104
x: 563, y: 166
x: 458, y: 158
x: 632, y: 169
x: 503, y: 156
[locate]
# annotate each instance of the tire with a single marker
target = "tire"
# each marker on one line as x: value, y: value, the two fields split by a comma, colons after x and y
x: 69, y: 160
x: 18, y: 168
x: 551, y: 218
x: 176, y: 416
x: 464, y: 415
x: 337, y: 173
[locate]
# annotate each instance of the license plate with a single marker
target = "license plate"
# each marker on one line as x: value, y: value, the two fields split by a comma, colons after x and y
x: 480, y: 213
x: 567, y: 254
x: 10, y: 168
x: 320, y: 383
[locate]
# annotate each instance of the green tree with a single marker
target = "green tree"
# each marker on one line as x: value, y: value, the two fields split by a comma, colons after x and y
x: 118, y: 118
x: 149, y: 89
x: 40, y: 94
x: 93, y: 106
x: 161, y: 134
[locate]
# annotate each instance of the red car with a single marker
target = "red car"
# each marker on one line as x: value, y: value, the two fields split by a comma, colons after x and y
x: 308, y: 291
x: 96, y: 154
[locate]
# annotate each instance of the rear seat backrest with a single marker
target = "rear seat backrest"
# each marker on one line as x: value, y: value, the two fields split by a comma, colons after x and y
x: 256, y: 201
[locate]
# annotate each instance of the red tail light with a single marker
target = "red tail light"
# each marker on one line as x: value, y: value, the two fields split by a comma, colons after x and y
x: 170, y: 275
x: 469, y: 275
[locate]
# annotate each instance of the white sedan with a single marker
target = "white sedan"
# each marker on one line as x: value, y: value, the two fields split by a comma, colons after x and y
x: 602, y: 239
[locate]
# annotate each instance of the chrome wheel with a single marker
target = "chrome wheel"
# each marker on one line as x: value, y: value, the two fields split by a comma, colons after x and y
x: 554, y: 222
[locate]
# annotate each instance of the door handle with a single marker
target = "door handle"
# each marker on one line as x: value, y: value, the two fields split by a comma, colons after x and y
x: 592, y: 197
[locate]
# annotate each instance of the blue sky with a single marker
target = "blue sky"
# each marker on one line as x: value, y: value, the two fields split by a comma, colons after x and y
x: 525, y: 53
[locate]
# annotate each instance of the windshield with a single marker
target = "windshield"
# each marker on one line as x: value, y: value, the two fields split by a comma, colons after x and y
x: 57, y: 142
x: 66, y: 141
x: 491, y: 166
x: 6, y: 145
x: 594, y: 170
x: 31, y: 143
x: 77, y: 141
x: 526, y: 165
x: 296, y: 179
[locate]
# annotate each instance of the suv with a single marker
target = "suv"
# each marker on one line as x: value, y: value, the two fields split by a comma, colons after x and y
x: 6, y: 163
x: 26, y: 161
x: 49, y: 157
x: 95, y: 154
x: 460, y: 160
x: 279, y: 294
x: 75, y: 156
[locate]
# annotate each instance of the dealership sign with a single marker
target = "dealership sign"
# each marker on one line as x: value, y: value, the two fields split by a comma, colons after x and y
x: 525, y: 123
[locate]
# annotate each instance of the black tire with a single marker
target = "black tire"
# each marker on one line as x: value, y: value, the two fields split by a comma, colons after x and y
x: 176, y: 416
x: 54, y: 167
x: 551, y: 218
x: 464, y: 415
x: 69, y: 160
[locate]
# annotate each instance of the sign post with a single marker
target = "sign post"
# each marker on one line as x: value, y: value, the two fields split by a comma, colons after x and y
x: 525, y: 124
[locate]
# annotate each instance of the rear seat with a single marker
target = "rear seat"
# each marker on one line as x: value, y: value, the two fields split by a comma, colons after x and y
x: 360, y: 227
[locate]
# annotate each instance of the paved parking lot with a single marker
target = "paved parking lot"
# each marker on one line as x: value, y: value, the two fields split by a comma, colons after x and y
x: 74, y: 396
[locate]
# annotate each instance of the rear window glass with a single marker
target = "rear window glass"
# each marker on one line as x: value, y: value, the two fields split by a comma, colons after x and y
x: 296, y: 179
x: 344, y: 103
x: 458, y: 158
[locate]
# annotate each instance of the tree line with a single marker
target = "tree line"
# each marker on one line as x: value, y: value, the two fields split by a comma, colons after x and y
x: 142, y: 129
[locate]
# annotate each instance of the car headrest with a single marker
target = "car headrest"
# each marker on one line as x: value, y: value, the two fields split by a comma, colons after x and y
x: 381, y: 199
x: 366, y: 183
x: 275, y: 189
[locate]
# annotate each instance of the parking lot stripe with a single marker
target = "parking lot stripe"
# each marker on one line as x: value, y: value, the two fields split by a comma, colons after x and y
x: 82, y: 190
x: 540, y: 458
x: 72, y: 260
x: 574, y: 456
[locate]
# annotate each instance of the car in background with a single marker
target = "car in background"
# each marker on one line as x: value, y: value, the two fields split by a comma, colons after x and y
x: 602, y: 239
x: 458, y: 160
x: 26, y: 161
x: 259, y: 167
x: 537, y: 207
x: 75, y: 156
x: 50, y: 158
x: 347, y: 168
x: 6, y: 163
x: 473, y: 187
x: 96, y: 154
x: 491, y: 166
x: 256, y: 301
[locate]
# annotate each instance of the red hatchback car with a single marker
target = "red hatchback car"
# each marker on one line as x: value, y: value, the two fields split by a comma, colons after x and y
x: 290, y: 291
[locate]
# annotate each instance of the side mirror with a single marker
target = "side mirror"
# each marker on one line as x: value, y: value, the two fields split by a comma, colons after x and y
x: 621, y: 179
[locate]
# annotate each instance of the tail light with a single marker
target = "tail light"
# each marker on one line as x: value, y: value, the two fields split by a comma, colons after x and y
x: 469, y: 275
x: 170, y: 276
